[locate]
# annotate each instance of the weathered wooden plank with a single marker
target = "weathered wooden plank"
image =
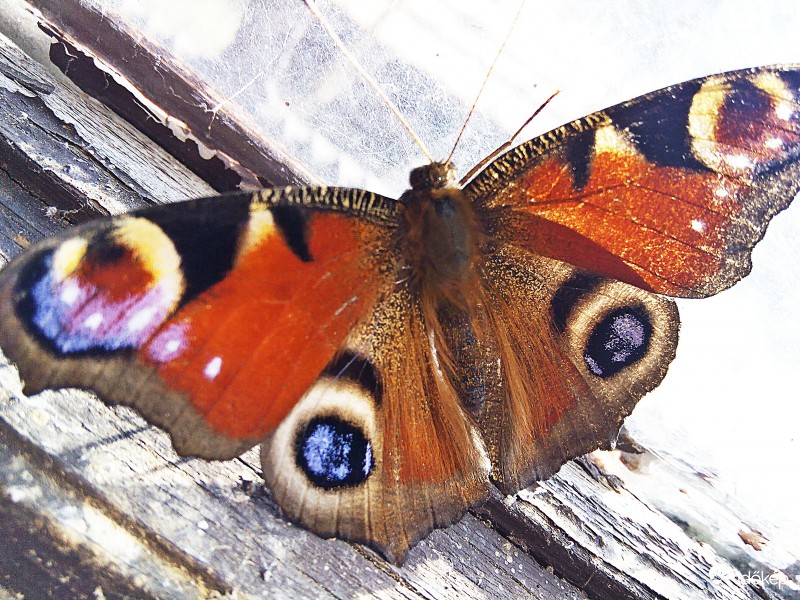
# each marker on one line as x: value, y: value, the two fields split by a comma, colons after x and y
x: 79, y: 159
x: 62, y: 542
x: 630, y: 544
x: 218, y: 525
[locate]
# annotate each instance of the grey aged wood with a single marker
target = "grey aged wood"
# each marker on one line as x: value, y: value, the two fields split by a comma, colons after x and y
x: 93, y: 501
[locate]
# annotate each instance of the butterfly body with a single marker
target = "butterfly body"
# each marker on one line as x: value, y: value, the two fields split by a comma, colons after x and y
x: 395, y: 358
x: 439, y: 232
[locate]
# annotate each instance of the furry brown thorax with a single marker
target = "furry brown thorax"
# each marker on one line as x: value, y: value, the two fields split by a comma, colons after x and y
x: 439, y: 231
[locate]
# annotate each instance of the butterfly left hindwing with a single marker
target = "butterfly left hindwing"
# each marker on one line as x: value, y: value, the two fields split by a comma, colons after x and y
x: 425, y: 463
x: 397, y: 357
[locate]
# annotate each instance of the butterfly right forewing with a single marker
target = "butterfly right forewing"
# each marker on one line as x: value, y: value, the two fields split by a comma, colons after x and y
x: 668, y: 192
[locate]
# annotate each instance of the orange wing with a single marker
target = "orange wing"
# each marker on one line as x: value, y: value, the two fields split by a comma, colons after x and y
x: 211, y: 317
x: 668, y: 192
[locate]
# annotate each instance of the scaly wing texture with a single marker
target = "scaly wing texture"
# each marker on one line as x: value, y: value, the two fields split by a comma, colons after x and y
x: 210, y: 317
x: 380, y: 450
x: 574, y: 353
x: 668, y: 192
x: 549, y: 360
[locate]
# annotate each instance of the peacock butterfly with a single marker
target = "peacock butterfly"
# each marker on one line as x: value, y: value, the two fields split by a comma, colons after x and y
x: 396, y: 358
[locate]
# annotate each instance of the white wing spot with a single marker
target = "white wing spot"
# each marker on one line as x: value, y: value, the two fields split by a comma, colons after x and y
x: 773, y: 143
x: 213, y: 368
x: 141, y: 319
x: 698, y: 225
x: 784, y: 111
x: 93, y: 321
x: 70, y: 292
x: 739, y: 161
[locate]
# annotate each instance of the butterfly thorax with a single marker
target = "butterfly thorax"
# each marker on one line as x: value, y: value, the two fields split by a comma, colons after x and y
x: 439, y: 232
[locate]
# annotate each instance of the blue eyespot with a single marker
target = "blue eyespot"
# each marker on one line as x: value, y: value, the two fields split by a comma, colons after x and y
x: 333, y: 453
x: 618, y: 341
x: 108, y: 301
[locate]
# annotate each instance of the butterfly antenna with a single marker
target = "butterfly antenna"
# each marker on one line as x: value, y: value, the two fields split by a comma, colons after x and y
x: 502, y: 147
x: 485, y: 80
x: 366, y: 76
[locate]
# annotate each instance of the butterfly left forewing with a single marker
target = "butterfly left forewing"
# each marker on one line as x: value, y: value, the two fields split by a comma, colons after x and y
x: 668, y: 192
x: 210, y: 317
